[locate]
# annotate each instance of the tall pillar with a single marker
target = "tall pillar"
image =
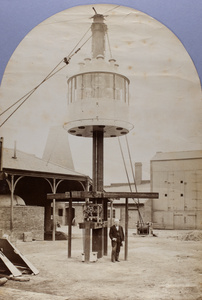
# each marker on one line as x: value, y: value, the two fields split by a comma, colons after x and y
x: 98, y: 151
x: 98, y: 98
x: 98, y: 158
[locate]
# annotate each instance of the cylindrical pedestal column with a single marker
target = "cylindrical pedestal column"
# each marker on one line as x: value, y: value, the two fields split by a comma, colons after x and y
x: 98, y: 158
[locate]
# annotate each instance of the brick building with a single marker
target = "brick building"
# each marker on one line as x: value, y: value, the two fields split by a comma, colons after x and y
x: 29, y: 179
x: 26, y: 219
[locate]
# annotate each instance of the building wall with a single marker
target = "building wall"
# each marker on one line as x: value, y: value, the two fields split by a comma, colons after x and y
x: 118, y: 212
x: 25, y: 219
x: 133, y: 215
x: 62, y: 213
x: 179, y: 183
x: 78, y: 213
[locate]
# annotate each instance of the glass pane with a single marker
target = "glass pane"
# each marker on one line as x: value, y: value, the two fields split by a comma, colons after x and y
x: 119, y: 88
x: 78, y: 88
x: 109, y: 86
x: 98, y: 85
x: 87, y: 89
x: 95, y: 85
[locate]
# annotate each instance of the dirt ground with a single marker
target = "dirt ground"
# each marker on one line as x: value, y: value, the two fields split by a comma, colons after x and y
x: 165, y: 267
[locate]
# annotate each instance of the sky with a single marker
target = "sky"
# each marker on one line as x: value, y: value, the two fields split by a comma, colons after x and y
x: 163, y: 64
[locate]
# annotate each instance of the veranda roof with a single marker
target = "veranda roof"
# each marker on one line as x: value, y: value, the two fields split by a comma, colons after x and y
x: 28, y: 164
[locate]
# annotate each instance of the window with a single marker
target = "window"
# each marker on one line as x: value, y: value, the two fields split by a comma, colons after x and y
x: 113, y: 213
x: 60, y: 212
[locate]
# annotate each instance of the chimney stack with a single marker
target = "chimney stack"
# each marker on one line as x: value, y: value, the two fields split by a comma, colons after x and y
x: 138, y: 172
x: 14, y: 156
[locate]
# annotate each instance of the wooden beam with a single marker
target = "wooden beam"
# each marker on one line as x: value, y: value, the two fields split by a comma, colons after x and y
x: 65, y: 195
x: 131, y: 195
x: 102, y: 195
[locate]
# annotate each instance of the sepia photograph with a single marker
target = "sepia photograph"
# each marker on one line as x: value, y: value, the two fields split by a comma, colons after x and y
x: 100, y: 150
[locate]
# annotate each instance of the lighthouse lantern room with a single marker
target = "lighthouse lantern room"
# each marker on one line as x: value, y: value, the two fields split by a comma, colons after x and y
x: 98, y: 107
x: 98, y: 95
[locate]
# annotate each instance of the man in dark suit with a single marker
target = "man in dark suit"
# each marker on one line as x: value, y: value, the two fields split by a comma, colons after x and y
x: 116, y: 235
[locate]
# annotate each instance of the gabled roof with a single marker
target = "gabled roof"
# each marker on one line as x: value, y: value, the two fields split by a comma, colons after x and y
x: 177, y: 155
x: 26, y: 163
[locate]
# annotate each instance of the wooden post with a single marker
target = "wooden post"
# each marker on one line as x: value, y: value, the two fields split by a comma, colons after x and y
x: 70, y: 229
x: 111, y: 213
x: 87, y: 242
x: 105, y: 229
x: 53, y: 232
x: 12, y: 194
x: 54, y: 221
x: 126, y: 230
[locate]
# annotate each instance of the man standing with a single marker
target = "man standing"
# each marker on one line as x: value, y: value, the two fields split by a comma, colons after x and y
x: 116, y: 235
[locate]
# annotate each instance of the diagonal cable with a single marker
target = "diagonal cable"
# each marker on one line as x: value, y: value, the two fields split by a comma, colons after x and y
x: 138, y: 201
x: 26, y: 96
x: 110, y: 51
x: 140, y: 216
x: 124, y: 162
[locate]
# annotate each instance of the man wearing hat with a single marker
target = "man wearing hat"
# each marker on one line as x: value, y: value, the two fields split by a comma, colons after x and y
x: 116, y: 235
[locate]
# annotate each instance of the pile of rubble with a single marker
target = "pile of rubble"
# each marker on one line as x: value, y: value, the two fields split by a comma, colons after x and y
x: 195, y: 235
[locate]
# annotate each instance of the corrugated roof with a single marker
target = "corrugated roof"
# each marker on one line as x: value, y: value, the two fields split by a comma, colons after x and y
x: 29, y: 162
x: 177, y: 155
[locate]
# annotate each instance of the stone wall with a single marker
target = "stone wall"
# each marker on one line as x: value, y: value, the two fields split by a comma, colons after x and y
x: 25, y: 219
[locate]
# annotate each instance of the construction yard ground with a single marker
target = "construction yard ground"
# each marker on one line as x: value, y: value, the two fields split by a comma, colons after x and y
x: 165, y: 267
